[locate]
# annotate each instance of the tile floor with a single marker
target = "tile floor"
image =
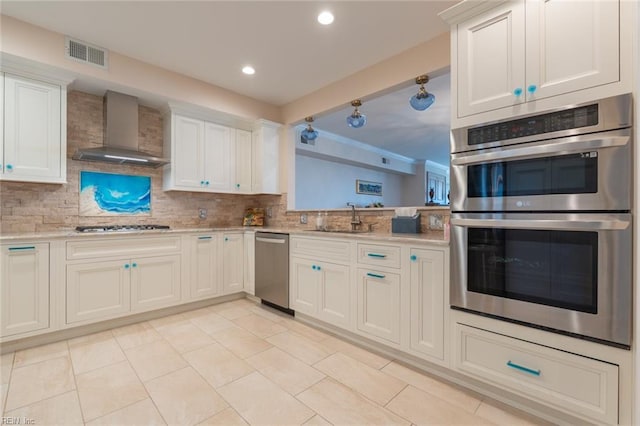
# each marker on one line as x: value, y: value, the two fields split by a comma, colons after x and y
x: 235, y: 363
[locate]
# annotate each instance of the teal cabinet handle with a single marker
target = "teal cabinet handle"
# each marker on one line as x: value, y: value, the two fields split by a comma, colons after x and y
x: 318, y: 268
x: 204, y: 238
x: 523, y: 369
x: 201, y: 182
x: 517, y: 91
x: 126, y: 266
x: 314, y: 267
x: 206, y: 182
x: 413, y: 258
x: 237, y: 185
x: 22, y: 248
x: 371, y: 274
x: 377, y: 255
x: 9, y: 167
x: 134, y: 265
x: 532, y: 88
x: 226, y: 238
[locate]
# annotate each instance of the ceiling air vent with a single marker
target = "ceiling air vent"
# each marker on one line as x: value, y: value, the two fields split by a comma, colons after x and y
x: 84, y: 52
x: 386, y: 160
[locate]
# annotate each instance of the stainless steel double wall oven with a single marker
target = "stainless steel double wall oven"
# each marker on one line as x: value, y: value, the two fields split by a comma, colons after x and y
x: 541, y: 225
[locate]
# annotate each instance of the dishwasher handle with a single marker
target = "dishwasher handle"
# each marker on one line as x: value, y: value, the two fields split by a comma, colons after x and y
x: 271, y: 240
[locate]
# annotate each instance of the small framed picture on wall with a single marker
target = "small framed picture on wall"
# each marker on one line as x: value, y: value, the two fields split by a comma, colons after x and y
x: 368, y: 188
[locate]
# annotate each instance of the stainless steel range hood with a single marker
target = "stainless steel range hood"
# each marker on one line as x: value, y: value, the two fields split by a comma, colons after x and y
x: 120, y: 135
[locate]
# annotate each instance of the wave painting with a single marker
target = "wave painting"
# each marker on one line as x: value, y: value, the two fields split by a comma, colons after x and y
x: 107, y: 194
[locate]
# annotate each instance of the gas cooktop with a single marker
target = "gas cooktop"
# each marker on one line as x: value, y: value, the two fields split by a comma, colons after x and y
x: 120, y: 228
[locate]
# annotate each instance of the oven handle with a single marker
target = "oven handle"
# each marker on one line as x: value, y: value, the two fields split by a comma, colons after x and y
x: 557, y: 147
x: 564, y: 225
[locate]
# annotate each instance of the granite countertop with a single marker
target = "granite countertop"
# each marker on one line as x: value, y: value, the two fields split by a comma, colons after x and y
x: 71, y: 234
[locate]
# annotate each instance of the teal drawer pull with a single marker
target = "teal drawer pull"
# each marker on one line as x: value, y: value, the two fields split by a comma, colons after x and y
x: 126, y: 266
x: 22, y: 248
x: 376, y: 255
x: 523, y: 369
x: 371, y: 274
x: 314, y: 267
x: 204, y: 238
x: 413, y: 257
x: 134, y: 265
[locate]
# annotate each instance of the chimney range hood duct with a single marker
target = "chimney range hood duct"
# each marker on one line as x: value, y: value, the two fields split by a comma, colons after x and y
x: 120, y: 135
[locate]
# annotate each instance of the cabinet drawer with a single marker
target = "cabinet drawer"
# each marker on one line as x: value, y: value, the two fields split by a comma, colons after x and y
x: 320, y: 248
x: 571, y: 383
x: 378, y: 255
x: 126, y: 247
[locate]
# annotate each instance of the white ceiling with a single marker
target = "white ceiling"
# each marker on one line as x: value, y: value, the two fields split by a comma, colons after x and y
x: 212, y: 40
x: 394, y: 126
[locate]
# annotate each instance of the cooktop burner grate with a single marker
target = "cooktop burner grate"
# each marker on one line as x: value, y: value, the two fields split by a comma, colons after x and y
x: 116, y: 228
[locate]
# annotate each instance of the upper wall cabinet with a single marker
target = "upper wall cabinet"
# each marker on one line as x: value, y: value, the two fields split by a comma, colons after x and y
x: 33, y: 144
x: 211, y: 157
x: 522, y: 52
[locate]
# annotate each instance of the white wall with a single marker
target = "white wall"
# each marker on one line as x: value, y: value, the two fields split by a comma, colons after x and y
x: 322, y: 184
x: 414, y: 187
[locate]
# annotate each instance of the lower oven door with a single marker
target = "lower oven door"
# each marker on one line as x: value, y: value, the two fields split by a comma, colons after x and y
x: 570, y: 273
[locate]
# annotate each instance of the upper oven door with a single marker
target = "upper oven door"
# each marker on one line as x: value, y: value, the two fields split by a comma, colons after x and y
x: 579, y: 173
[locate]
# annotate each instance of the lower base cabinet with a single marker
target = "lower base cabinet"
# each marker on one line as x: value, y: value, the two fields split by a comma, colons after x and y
x: 155, y: 282
x: 379, y: 304
x: 571, y: 383
x: 232, y: 262
x: 24, y: 274
x: 205, y: 266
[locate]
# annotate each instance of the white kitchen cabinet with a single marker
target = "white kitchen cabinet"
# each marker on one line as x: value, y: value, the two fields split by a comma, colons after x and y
x: 187, y: 162
x: 266, y: 158
x: 378, y: 304
x: 98, y: 290
x: 155, y: 282
x: 243, y: 162
x: 232, y: 262
x: 205, y: 266
x: 334, y: 301
x: 24, y: 274
x: 427, y: 303
x: 218, y: 157
x: 34, y: 135
x: 250, y: 263
x: 522, y: 51
x: 304, y: 286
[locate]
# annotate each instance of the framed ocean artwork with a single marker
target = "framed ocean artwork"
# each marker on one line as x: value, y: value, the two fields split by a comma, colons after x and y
x: 109, y: 194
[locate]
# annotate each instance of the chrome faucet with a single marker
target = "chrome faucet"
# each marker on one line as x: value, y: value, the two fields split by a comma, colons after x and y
x: 355, y: 221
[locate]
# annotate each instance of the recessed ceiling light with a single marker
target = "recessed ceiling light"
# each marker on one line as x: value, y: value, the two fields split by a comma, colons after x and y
x: 325, y: 18
x: 249, y: 70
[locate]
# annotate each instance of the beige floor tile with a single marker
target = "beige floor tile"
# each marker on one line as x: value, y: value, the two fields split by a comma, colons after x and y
x: 184, y: 398
x: 372, y: 383
x: 41, y: 353
x: 135, y: 335
x: 424, y: 409
x: 342, y: 406
x: 304, y: 330
x: 503, y: 415
x: 288, y: 372
x: 300, y: 347
x: 198, y: 313
x: 154, y: 360
x: 143, y: 413
x: 217, y: 365
x: 356, y: 352
x: 259, y: 326
x: 234, y: 312
x: 260, y: 401
x: 269, y: 313
x: 240, y: 341
x: 211, y: 322
x: 227, y: 417
x: 94, y: 351
x: 185, y: 336
x: 456, y: 395
x: 6, y: 364
x: 108, y: 389
x: 36, y: 382
x: 317, y: 420
x: 164, y: 321
x: 61, y: 410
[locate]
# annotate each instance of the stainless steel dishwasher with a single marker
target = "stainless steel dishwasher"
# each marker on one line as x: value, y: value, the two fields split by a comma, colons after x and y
x: 272, y: 269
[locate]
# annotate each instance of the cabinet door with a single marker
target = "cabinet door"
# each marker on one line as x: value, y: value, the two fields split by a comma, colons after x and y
x: 334, y: 302
x: 188, y: 163
x: 427, y: 302
x: 250, y: 263
x: 32, y: 139
x: 571, y: 46
x: 491, y: 49
x: 243, y: 161
x: 205, y: 267
x: 218, y: 157
x: 25, y: 288
x: 98, y: 290
x: 266, y: 161
x: 304, y: 283
x: 232, y: 263
x: 379, y: 304
x: 155, y: 282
